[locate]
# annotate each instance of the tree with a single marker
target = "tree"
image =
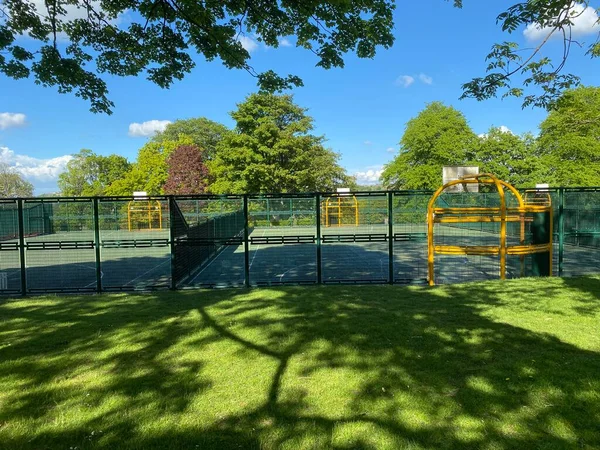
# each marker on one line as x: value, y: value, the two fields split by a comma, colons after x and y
x: 271, y: 150
x: 149, y: 173
x: 89, y: 174
x: 439, y: 136
x: 511, y: 158
x: 12, y: 183
x: 74, y: 42
x: 569, y: 139
x: 534, y: 70
x: 203, y: 133
x: 159, y: 38
x: 187, y: 173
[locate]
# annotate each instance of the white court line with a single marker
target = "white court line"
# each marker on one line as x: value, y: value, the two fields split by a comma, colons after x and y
x: 208, y: 265
x: 147, y: 271
x: 256, y: 251
x: 295, y: 267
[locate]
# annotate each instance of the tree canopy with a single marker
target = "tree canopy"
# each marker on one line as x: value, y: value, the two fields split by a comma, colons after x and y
x: 12, y: 184
x: 439, y: 136
x: 514, y: 159
x: 272, y: 150
x: 202, y: 132
x: 149, y: 173
x: 89, y: 174
x: 186, y: 171
x: 76, y: 42
x: 569, y: 139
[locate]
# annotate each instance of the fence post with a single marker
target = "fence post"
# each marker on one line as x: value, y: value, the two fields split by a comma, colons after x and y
x: 390, y: 238
x: 22, y: 247
x: 561, y: 229
x: 318, y: 218
x: 97, y: 245
x: 246, y: 246
x: 172, y: 243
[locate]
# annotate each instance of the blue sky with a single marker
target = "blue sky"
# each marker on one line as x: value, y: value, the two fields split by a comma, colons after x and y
x: 361, y: 109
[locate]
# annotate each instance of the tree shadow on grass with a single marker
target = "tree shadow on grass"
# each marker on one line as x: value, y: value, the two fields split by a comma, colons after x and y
x: 323, y: 367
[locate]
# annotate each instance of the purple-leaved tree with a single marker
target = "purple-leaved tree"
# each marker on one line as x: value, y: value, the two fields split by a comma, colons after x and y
x: 186, y: 171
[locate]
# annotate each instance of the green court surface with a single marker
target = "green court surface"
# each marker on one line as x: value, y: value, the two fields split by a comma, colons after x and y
x: 199, y: 241
x: 141, y: 260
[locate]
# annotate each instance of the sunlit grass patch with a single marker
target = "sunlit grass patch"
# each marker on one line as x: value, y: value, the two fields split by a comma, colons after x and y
x: 487, y: 365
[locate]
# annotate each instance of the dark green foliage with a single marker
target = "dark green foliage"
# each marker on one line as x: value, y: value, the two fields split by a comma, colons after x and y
x: 202, y: 132
x: 439, y: 136
x: 159, y: 38
x: 539, y: 79
x: 569, y: 139
x: 89, y: 174
x: 272, y: 150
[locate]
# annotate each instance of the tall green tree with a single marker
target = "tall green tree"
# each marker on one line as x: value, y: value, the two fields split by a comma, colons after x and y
x: 149, y: 173
x: 514, y: 159
x: 439, y: 136
x: 272, y: 150
x: 203, y: 133
x: 73, y: 43
x: 12, y: 184
x: 89, y: 174
x: 569, y: 139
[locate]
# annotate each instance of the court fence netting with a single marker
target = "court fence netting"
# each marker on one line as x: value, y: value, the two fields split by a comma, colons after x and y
x: 104, y: 244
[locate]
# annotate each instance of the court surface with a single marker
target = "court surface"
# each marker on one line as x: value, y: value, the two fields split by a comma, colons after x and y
x: 141, y: 260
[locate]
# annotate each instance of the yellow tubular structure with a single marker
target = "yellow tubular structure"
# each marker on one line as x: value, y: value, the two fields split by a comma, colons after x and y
x: 335, y: 206
x: 151, y: 211
x: 502, y: 214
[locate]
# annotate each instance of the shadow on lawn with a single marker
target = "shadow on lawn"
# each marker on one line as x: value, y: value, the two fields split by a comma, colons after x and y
x: 421, y: 367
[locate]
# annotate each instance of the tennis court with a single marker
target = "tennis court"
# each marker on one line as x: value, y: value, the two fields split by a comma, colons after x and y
x: 216, y: 241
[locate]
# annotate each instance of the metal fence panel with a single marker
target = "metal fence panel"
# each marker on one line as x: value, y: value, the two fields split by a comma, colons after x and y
x: 122, y: 243
x: 135, y: 251
x: 10, y: 261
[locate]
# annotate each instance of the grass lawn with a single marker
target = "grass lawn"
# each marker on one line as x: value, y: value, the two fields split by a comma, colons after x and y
x: 490, y: 365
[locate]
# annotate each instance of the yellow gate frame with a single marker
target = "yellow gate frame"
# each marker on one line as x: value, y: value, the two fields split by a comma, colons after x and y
x: 502, y: 214
x: 337, y: 207
x: 148, y: 208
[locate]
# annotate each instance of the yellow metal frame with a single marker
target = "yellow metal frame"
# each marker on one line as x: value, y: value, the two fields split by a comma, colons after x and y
x: 337, y: 208
x: 540, y: 203
x: 149, y: 208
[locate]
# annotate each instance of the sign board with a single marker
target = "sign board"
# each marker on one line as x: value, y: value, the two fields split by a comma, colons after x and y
x: 452, y: 173
x: 343, y: 191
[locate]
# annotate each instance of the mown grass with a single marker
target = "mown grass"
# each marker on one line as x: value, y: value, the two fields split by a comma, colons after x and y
x: 490, y: 365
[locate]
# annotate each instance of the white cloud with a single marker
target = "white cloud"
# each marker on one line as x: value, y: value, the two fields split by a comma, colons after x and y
x: 9, y: 120
x: 284, y: 42
x: 501, y: 128
x: 390, y: 149
x: 248, y: 43
x: 425, y: 78
x: 34, y: 169
x: 72, y: 12
x: 584, y: 19
x: 404, y: 81
x: 148, y: 128
x: 370, y: 175
x: 367, y: 143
